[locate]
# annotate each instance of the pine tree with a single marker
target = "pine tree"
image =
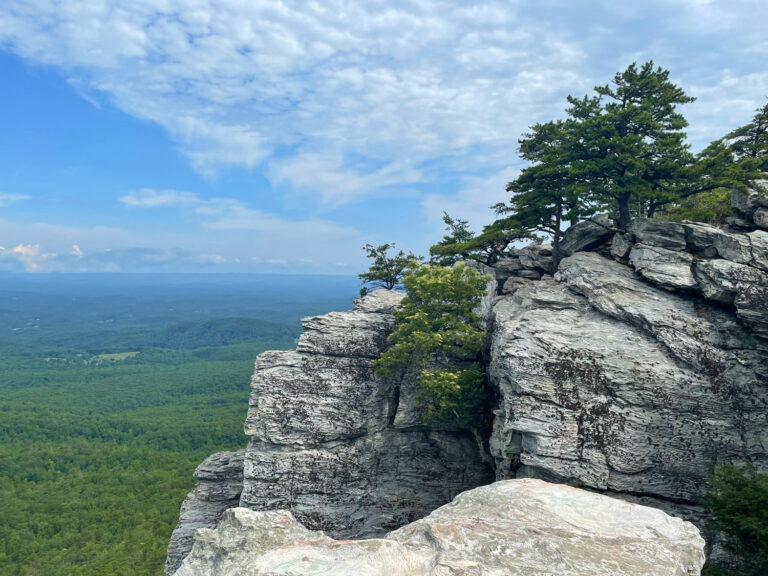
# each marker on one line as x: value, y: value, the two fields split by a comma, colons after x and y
x: 631, y: 142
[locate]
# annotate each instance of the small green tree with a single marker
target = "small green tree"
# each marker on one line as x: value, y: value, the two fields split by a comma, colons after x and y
x: 547, y: 194
x: 751, y: 140
x: 458, y: 233
x: 438, y: 337
x: 486, y: 247
x: 739, y: 506
x: 386, y: 270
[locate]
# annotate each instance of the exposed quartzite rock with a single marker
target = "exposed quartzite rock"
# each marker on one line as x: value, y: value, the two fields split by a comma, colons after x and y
x: 747, y: 202
x: 759, y: 242
x: 621, y: 245
x: 219, y: 484
x: 512, y: 528
x: 743, y: 286
x: 659, y: 233
x: 666, y: 268
x: 760, y: 218
x: 587, y: 234
x: 608, y: 382
x: 343, y: 450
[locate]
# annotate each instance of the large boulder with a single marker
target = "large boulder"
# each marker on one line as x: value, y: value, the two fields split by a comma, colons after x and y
x: 587, y: 235
x: 343, y: 450
x: 659, y: 233
x: 666, y: 268
x: 752, y: 204
x: 512, y: 528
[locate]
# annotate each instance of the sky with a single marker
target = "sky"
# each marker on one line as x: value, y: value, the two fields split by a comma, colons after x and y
x: 268, y: 136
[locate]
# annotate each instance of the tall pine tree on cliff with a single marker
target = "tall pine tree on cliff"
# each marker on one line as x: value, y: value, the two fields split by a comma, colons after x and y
x: 631, y: 142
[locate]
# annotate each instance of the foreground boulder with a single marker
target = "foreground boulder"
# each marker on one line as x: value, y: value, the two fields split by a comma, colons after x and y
x: 510, y: 528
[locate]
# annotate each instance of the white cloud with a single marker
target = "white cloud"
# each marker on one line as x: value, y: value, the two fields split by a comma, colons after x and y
x: 152, y: 198
x: 8, y: 199
x: 30, y: 256
x: 77, y: 251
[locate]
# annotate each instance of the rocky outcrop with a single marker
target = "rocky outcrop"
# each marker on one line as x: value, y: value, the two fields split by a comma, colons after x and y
x: 609, y: 382
x: 752, y: 205
x: 344, y: 451
x: 633, y: 370
x: 219, y: 485
x: 512, y: 528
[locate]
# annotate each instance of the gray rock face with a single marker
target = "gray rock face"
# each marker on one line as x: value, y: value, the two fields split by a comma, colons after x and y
x: 659, y: 233
x: 512, y: 528
x: 587, y: 234
x: 608, y: 382
x: 752, y: 205
x: 219, y: 484
x: 342, y: 450
x: 665, y: 268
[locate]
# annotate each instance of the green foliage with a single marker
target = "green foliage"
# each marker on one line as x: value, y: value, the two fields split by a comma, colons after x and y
x: 487, y: 247
x: 458, y: 234
x: 387, y: 271
x: 750, y: 142
x: 546, y: 195
x: 712, y: 207
x: 438, y: 337
x: 98, y: 443
x: 452, y: 395
x: 631, y: 138
x: 739, y: 506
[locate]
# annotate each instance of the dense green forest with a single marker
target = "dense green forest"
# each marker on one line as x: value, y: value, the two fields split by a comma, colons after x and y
x: 111, y: 395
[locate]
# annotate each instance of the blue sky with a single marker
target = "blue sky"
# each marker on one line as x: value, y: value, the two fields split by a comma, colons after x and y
x: 233, y: 136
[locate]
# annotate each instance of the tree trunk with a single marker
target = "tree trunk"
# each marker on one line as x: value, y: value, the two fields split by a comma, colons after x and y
x: 624, y: 216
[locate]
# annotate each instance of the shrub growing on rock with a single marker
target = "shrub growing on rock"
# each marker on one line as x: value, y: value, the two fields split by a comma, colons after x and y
x: 438, y: 337
x: 739, y: 506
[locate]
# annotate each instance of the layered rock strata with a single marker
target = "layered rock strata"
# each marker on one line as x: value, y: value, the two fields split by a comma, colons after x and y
x: 512, y: 528
x: 219, y: 485
x: 636, y: 374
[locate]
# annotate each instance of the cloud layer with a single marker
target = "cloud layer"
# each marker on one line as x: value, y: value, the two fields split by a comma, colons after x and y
x: 340, y: 98
x: 340, y: 102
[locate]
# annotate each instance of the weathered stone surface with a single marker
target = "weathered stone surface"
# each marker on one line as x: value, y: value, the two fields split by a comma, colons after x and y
x: 760, y: 218
x: 700, y: 238
x: 747, y: 202
x: 537, y: 257
x: 733, y: 246
x: 621, y: 245
x: 659, y: 233
x: 511, y: 285
x: 746, y: 287
x: 343, y: 450
x: 608, y: 382
x: 666, y: 268
x: 759, y: 242
x: 512, y: 528
x: 219, y: 484
x: 587, y: 234
x: 508, y: 266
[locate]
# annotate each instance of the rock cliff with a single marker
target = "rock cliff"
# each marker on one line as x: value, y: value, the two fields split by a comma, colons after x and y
x: 631, y: 369
x: 343, y: 451
x: 512, y: 528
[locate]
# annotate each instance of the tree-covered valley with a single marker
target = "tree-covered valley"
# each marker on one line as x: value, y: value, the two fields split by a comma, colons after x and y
x: 112, y: 390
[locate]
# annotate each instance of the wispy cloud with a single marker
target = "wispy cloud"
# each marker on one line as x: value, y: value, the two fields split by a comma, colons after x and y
x: 8, y: 199
x: 341, y: 98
